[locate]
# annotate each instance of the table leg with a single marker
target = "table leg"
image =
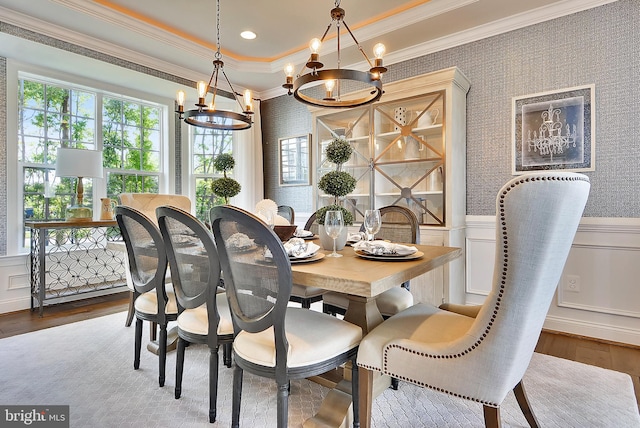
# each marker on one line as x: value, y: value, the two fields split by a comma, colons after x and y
x: 336, y: 409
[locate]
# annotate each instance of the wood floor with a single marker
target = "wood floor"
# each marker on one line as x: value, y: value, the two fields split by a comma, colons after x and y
x: 609, y: 355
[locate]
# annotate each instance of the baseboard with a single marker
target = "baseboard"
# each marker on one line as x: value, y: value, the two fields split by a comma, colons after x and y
x: 603, y: 332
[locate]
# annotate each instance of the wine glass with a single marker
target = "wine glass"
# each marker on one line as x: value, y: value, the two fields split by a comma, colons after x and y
x: 333, y: 224
x: 372, y: 223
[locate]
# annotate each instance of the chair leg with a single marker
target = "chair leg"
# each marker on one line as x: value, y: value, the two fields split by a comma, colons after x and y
x: 153, y: 331
x: 394, y: 383
x: 162, y: 354
x: 492, y: 417
x: 226, y: 354
x: 365, y: 396
x: 523, y: 402
x: 237, y: 395
x: 179, y: 366
x: 355, y: 396
x: 283, y: 404
x: 138, y: 344
x: 213, y: 383
x: 131, y: 310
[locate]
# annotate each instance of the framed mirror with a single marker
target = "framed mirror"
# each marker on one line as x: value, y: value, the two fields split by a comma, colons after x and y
x: 295, y: 160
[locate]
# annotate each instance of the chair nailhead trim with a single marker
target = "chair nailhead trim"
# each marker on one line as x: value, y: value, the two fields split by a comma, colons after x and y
x: 496, y: 308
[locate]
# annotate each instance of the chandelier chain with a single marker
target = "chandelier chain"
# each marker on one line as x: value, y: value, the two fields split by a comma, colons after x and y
x: 218, y: 55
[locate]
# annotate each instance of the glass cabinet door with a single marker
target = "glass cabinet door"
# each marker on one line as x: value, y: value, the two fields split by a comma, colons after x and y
x: 398, y: 155
x: 409, y: 156
x: 354, y: 126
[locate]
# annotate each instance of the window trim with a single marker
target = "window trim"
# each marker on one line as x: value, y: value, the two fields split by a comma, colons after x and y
x: 18, y: 70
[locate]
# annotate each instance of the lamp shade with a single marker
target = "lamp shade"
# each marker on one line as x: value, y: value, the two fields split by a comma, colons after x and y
x: 79, y: 163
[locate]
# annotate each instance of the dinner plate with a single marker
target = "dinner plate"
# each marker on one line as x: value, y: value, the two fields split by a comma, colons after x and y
x: 243, y: 249
x: 314, y: 258
x: 389, y: 257
x: 308, y: 238
x: 302, y: 257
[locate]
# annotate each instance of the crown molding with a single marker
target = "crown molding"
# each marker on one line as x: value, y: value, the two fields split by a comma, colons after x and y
x: 515, y: 22
x: 432, y: 8
x: 82, y: 40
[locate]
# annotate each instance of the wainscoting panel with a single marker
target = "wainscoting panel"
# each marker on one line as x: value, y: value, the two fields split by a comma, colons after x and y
x: 599, y: 292
x: 15, y: 287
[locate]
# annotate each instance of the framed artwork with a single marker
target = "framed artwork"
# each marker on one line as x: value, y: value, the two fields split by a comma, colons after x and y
x: 554, y: 130
x: 295, y: 160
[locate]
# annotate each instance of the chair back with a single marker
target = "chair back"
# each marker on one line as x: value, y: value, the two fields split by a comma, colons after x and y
x: 257, y: 272
x: 537, y: 216
x: 147, y: 203
x: 145, y: 252
x: 312, y: 224
x: 399, y: 224
x: 287, y: 212
x: 193, y: 259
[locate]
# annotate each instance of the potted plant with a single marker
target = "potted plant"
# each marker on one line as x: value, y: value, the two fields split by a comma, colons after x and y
x: 225, y: 187
x: 338, y: 184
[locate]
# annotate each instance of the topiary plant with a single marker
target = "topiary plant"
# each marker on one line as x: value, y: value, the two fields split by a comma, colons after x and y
x: 225, y: 187
x: 337, y: 183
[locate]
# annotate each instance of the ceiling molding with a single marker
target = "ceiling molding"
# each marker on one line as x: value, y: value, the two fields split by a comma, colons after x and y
x: 434, y: 7
x: 82, y: 40
x: 495, y: 28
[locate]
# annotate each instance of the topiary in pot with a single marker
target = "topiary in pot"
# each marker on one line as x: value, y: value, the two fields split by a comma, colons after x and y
x: 225, y: 187
x: 337, y: 183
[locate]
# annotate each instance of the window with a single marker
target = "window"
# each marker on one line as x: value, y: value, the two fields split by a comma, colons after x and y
x: 54, y: 114
x: 49, y: 117
x: 206, y: 144
x: 131, y: 146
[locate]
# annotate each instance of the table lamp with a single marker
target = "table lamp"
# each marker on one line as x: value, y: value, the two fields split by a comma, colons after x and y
x: 79, y: 163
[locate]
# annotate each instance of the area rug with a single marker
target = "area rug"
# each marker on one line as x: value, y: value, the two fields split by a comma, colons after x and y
x: 89, y: 366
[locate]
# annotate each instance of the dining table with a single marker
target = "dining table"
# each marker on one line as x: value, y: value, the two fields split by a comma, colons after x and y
x: 362, y: 278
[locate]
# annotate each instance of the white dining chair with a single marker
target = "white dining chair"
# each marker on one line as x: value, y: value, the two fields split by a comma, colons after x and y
x: 481, y: 353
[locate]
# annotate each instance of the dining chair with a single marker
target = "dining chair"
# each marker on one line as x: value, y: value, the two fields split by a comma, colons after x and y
x: 399, y: 224
x: 481, y: 353
x: 154, y: 300
x: 203, y: 311
x: 271, y: 339
x: 302, y: 294
x: 287, y: 212
x: 147, y: 203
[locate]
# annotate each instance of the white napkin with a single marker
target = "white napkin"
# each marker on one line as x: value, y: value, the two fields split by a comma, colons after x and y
x: 301, y: 233
x: 299, y: 248
x: 381, y: 248
x: 355, y: 237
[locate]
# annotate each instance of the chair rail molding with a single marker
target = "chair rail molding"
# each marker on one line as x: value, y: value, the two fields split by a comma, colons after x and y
x: 606, y: 303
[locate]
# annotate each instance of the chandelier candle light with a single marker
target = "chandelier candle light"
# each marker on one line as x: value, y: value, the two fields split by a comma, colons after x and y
x: 333, y: 78
x: 207, y: 116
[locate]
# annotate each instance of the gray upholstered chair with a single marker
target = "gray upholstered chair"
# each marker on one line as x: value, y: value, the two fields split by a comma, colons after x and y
x: 483, y: 357
x: 287, y: 212
x: 271, y: 339
x: 301, y: 293
x: 153, y: 301
x: 146, y: 203
x: 399, y: 224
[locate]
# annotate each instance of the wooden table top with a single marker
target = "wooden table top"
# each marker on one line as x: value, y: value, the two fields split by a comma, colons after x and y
x: 355, y: 275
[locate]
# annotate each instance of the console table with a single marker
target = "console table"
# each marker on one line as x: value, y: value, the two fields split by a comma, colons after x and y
x: 72, y: 257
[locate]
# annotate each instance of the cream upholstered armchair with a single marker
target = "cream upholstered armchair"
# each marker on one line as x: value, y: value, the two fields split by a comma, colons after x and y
x: 483, y: 357
x: 146, y: 203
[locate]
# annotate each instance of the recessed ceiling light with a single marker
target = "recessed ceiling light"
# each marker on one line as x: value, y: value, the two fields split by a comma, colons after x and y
x: 249, y: 35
